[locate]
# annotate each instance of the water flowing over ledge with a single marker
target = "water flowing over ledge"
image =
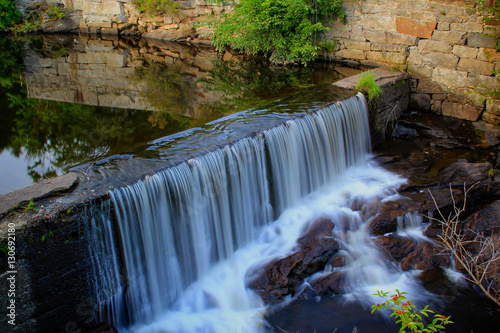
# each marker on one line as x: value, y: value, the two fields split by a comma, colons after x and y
x: 189, y: 235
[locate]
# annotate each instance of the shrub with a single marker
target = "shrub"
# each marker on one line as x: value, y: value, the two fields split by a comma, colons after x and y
x: 408, y: 316
x: 9, y: 15
x: 284, y: 30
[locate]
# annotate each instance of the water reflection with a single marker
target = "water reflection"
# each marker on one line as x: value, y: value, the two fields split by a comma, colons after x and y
x: 68, y: 101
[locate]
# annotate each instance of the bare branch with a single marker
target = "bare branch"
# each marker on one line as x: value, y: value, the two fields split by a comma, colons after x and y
x: 474, y: 252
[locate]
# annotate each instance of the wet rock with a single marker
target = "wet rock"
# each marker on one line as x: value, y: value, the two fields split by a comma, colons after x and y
x: 330, y: 284
x: 425, y: 256
x: 486, y: 220
x: 386, y: 218
x: 420, y: 101
x: 412, y: 254
x: 464, y: 172
x: 397, y: 247
x: 402, y: 131
x: 282, y: 277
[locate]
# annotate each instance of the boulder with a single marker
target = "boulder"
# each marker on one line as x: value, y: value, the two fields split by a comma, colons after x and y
x: 282, y: 277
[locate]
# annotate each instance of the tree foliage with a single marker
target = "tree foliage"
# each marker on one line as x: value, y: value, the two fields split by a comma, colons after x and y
x: 9, y: 15
x: 286, y: 30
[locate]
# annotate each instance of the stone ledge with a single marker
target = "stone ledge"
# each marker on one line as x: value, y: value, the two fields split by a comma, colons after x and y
x: 38, y: 191
x: 383, y: 76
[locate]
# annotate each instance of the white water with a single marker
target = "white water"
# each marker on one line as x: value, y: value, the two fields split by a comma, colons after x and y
x: 192, y: 233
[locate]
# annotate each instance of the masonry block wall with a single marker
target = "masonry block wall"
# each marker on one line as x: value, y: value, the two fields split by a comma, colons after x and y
x: 442, y: 44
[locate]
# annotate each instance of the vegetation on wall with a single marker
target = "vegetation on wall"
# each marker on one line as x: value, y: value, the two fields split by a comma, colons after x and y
x: 155, y: 7
x: 285, y: 30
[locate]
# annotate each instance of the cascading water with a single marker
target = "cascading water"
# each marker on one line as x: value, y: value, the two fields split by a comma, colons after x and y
x: 191, y: 233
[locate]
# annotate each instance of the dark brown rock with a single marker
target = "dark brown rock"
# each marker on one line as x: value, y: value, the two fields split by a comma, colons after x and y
x: 464, y: 172
x: 397, y: 247
x: 282, y: 277
x: 386, y: 220
x: 413, y: 254
x: 486, y: 220
x: 425, y: 256
x: 331, y: 284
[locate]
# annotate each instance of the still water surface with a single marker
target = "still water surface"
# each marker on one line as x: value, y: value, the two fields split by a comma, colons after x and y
x: 69, y: 102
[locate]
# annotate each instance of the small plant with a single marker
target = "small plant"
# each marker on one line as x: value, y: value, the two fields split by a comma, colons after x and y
x: 328, y: 46
x: 369, y: 87
x: 55, y: 13
x: 407, y: 314
x: 493, y: 171
x: 30, y: 206
x: 156, y: 7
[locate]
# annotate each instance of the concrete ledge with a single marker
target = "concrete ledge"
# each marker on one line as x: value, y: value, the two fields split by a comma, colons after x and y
x: 38, y: 191
x: 391, y: 104
x: 383, y: 76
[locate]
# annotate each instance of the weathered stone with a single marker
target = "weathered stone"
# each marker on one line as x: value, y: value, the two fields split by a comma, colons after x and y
x: 427, y: 45
x: 420, y: 102
x: 452, y: 9
x: 461, y: 111
x: 416, y: 64
x: 357, y: 45
x: 477, y: 100
x: 449, y: 61
x: 386, y: 57
x: 488, y: 54
x: 388, y: 48
x: 443, y: 26
x: 492, y: 113
x: 388, y: 37
x: 381, y: 22
x: 480, y: 40
x: 482, y: 81
x: 351, y: 54
x: 429, y: 87
x: 465, y: 51
x: 450, y: 37
x: 475, y: 66
x: 449, y: 77
x: 348, y: 71
x: 412, y: 5
x: 468, y: 27
x: 38, y: 191
x: 356, y: 33
x: 414, y: 28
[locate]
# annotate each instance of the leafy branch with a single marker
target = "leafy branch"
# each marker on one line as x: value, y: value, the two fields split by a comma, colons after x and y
x: 407, y: 315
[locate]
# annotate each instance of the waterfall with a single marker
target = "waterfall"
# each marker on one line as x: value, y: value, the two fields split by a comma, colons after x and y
x: 177, y: 226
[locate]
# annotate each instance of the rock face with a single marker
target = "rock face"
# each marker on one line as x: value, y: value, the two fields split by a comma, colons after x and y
x: 282, y: 277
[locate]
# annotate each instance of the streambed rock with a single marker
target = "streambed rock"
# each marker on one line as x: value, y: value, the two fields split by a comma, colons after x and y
x: 282, y: 277
x: 411, y: 254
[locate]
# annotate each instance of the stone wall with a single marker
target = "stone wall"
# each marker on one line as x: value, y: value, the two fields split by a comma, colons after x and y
x: 113, y: 17
x: 442, y: 44
x: 103, y: 72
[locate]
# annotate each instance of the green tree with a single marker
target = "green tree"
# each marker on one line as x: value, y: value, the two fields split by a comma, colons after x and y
x: 285, y: 30
x: 9, y: 15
